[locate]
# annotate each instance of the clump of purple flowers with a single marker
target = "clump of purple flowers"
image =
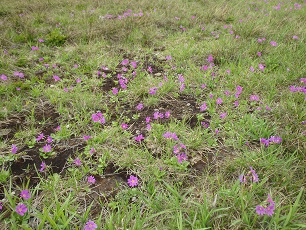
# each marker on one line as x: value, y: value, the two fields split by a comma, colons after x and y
x: 271, y: 140
x: 98, y: 117
x: 268, y: 209
x: 251, y: 176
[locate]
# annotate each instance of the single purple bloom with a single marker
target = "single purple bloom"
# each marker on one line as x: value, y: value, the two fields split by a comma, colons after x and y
x: 139, y: 138
x: 42, y: 166
x: 264, y: 141
x: 269, y: 210
x: 273, y: 43
x: 227, y: 93
x: 260, y: 210
x: 91, y: 151
x: 21, y: 209
x: 223, y: 115
x: 181, y: 157
x: 56, y: 78
x: 167, y: 135
x: 49, y: 139
x: 139, y: 106
x: 86, y: 138
x: 115, y: 91
x: 78, y: 80
x: 134, y: 64
x: 167, y: 114
x: 47, y: 148
x: 203, y: 107
x: 40, y: 40
x: 3, y: 77
x: 155, y: 115
x: 124, y: 126
x: 25, y: 194
x: 182, y: 87
x: 168, y: 57
x: 181, y: 78
x: 1, y: 206
x: 236, y: 103
x: 133, y: 181
x: 90, y: 225
x: 254, y: 175
x: 242, y: 178
x: 148, y: 119
x: 150, y: 69
x: 14, y: 149
x: 149, y: 127
x: 77, y: 162
x: 252, y: 69
x: 34, y: 48
x: 125, y: 62
x: 210, y: 59
x: 219, y: 101
x: 205, y: 124
x: 239, y: 88
x: 259, y: 54
x: 261, y: 66
x: 153, y: 90
x: 91, y: 180
x: 40, y: 137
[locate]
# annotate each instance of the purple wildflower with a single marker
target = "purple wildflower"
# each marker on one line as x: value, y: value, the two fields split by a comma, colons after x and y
x: 139, y: 138
x: 77, y: 161
x: 125, y: 62
x: 181, y: 157
x: 90, y: 225
x: 91, y: 180
x: 134, y: 64
x: 168, y: 58
x: 124, y: 126
x: 203, y: 107
x: 21, y: 209
x: 219, y: 101
x: 153, y: 90
x: 273, y: 43
x: 56, y: 78
x: 42, y: 166
x: 223, y: 115
x: 133, y: 181
x: 261, y: 66
x: 25, y: 194
x: 47, y: 148
x: 254, y: 98
x: 269, y: 210
x: 275, y: 139
x: 139, y: 106
x: 98, y: 117
x: 49, y: 139
x: 91, y: 151
x: 260, y: 210
x: 3, y: 77
x: 210, y: 59
x: 14, y: 149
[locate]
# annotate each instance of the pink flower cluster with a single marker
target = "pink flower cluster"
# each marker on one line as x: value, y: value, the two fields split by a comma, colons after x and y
x: 98, y: 117
x: 268, y: 209
x: 251, y: 176
x: 272, y: 139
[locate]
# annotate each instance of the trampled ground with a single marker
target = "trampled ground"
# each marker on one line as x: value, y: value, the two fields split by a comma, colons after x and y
x: 152, y: 114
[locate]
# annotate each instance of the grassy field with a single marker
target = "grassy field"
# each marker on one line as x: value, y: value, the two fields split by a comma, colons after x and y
x: 152, y: 114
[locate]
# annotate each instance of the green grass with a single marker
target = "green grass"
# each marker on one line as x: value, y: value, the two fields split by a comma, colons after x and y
x: 201, y: 192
